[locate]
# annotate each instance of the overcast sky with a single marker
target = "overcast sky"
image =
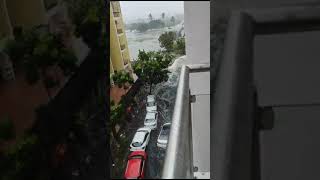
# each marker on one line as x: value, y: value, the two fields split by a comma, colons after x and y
x: 132, y: 10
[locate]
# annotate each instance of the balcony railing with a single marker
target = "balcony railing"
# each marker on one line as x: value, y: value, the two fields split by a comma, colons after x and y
x: 115, y: 7
x: 116, y: 14
x: 122, y: 47
x: 179, y: 155
x: 119, y: 31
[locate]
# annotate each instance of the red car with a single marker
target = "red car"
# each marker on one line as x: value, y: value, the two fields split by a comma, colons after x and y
x: 136, y: 165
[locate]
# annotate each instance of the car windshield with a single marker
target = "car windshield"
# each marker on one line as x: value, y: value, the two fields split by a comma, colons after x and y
x: 150, y: 104
x: 136, y: 157
x: 165, y: 133
x: 139, y: 138
x: 149, y: 120
x: 136, y: 144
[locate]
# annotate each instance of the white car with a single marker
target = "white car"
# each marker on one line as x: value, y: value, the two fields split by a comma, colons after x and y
x: 151, y: 120
x: 140, y: 139
x: 151, y: 104
x: 164, y: 136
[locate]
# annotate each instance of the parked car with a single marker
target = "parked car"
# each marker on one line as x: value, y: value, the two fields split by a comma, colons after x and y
x: 151, y: 104
x: 151, y: 120
x: 164, y: 136
x: 136, y: 165
x: 140, y: 139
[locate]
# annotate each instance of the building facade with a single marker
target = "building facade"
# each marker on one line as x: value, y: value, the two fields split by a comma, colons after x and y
x: 119, y: 50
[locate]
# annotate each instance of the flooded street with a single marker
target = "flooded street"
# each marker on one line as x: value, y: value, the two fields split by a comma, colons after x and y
x: 165, y: 97
x: 147, y: 40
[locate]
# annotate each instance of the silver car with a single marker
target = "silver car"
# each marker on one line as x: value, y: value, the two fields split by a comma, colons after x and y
x: 140, y: 139
x: 151, y: 104
x: 164, y: 136
x: 151, y: 120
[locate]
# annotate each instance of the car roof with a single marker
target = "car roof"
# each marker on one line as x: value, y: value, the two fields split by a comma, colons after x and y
x: 150, y: 115
x: 139, y: 136
x: 133, y: 167
x: 150, y: 98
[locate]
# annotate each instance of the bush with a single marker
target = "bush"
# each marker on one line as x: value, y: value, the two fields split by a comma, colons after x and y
x: 6, y: 129
x: 180, y: 46
x: 167, y: 40
x: 22, y: 159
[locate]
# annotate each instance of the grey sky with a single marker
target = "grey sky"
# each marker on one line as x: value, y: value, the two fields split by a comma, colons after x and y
x: 133, y: 10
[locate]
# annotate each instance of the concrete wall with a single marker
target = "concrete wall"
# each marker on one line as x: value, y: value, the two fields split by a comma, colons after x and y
x: 197, y: 29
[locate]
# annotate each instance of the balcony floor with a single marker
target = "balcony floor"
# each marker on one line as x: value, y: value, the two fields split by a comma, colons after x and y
x: 200, y: 87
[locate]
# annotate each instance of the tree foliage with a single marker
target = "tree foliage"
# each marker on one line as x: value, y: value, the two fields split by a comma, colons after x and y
x: 143, y: 27
x: 22, y: 159
x: 166, y: 40
x: 180, y: 47
x: 151, y: 67
x: 122, y: 79
x: 116, y: 117
x: 36, y: 50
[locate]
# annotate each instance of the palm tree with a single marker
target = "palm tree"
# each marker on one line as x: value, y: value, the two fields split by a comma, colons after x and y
x: 172, y: 20
x: 163, y: 15
x: 150, y: 17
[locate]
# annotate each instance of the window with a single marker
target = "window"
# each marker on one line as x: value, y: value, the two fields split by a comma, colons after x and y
x: 136, y: 144
x: 136, y: 157
x: 145, y: 137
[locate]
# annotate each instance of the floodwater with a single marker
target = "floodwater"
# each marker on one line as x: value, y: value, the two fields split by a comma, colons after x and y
x: 147, y: 40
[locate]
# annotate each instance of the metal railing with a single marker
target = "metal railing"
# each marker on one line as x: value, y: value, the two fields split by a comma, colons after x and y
x: 179, y: 155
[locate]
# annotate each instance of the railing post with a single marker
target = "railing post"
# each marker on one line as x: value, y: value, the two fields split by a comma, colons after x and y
x: 178, y: 162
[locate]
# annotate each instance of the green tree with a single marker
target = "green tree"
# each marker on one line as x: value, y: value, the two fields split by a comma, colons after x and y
x: 154, y: 24
x: 151, y: 67
x: 116, y: 117
x: 39, y: 51
x: 166, y: 40
x: 142, y: 27
x: 180, y: 46
x: 122, y: 79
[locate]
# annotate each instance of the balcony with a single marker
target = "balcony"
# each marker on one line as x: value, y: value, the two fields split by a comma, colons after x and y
x: 115, y: 7
x: 116, y: 14
x: 125, y: 62
x: 188, y: 150
x: 119, y: 31
x: 122, y: 47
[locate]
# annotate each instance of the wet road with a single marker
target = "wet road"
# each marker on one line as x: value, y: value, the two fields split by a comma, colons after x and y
x: 155, y: 154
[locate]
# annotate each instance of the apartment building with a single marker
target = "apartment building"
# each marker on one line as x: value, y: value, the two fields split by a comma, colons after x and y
x: 119, y: 51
